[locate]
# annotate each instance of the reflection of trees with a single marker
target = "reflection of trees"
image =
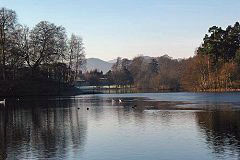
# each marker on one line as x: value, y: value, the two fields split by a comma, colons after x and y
x: 3, y: 132
x: 222, y: 130
x: 96, y: 104
x: 41, y: 131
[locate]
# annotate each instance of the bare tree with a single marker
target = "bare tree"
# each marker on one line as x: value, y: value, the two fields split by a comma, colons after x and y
x: 16, y: 56
x: 46, y: 44
x: 7, y: 25
x: 76, y: 56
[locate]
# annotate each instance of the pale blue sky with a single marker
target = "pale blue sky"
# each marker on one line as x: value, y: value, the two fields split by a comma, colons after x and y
x: 127, y: 28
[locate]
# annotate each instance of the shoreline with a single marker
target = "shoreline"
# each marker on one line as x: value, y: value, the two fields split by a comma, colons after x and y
x: 75, y: 91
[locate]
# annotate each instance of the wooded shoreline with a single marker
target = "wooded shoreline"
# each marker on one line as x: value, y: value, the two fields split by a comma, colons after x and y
x: 73, y: 91
x: 43, y: 60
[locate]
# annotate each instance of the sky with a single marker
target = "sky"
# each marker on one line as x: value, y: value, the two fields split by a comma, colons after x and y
x: 128, y: 28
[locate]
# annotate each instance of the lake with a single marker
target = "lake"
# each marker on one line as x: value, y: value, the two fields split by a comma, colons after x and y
x: 144, y: 126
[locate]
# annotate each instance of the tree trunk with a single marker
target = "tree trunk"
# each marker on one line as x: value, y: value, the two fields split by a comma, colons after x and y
x: 3, y: 54
x: 3, y: 63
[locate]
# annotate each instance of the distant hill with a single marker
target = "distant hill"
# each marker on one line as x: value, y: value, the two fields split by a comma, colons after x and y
x: 105, y: 66
x: 112, y: 61
x: 96, y: 63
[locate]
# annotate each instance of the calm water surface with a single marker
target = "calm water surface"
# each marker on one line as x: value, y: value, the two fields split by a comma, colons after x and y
x: 147, y: 126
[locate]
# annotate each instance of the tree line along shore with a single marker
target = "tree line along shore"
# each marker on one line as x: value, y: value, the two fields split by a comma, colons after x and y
x: 215, y: 67
x: 37, y: 61
x: 43, y: 60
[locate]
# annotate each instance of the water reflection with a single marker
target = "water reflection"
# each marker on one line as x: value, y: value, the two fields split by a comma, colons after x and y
x: 63, y: 128
x: 221, y: 130
x: 37, y: 130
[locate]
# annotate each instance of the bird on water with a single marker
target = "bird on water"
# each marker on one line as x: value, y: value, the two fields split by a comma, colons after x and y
x: 113, y: 101
x: 134, y: 106
x: 3, y: 102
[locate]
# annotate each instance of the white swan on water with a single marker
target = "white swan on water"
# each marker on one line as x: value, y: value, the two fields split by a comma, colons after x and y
x: 113, y: 101
x: 3, y: 102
